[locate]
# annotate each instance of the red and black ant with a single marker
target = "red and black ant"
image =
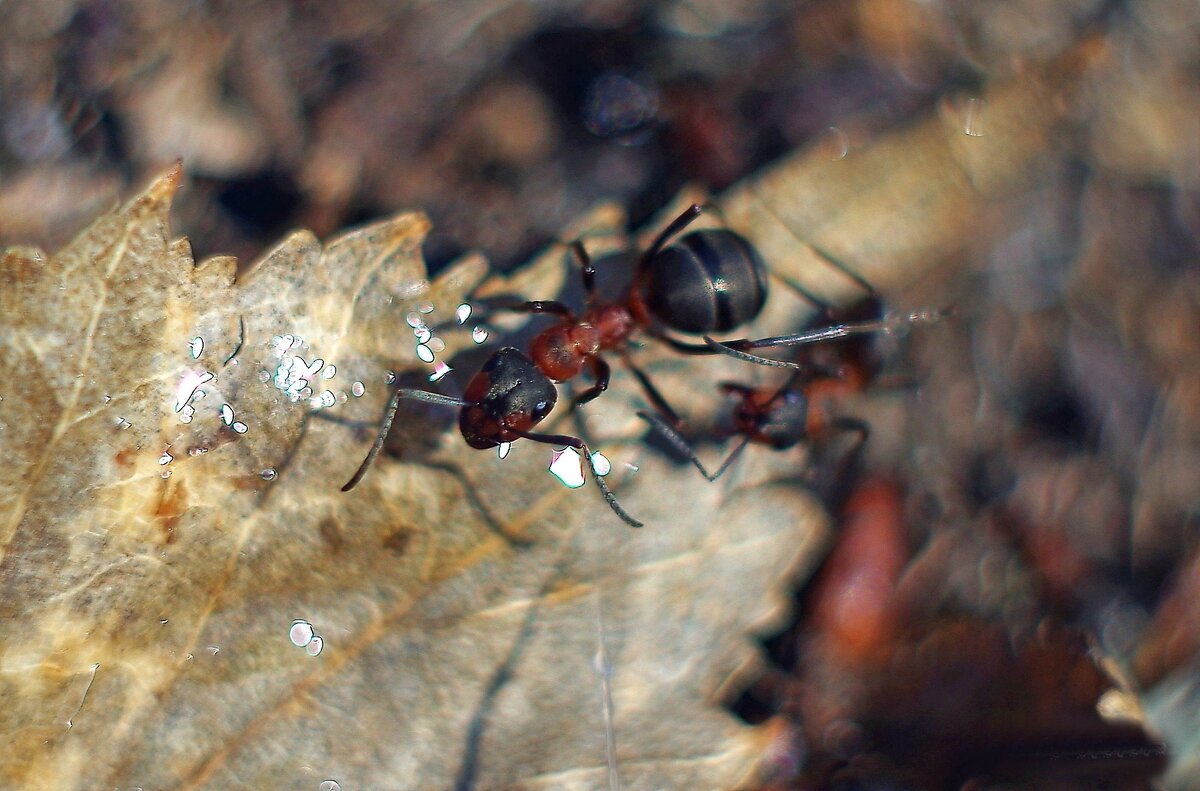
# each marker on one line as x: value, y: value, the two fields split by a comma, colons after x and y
x: 803, y: 408
x: 707, y: 281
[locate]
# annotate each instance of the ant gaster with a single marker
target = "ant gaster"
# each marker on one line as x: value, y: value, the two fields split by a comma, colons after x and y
x: 708, y: 281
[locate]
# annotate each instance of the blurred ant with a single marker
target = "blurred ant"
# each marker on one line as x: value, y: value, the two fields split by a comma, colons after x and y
x: 802, y: 409
x: 707, y: 281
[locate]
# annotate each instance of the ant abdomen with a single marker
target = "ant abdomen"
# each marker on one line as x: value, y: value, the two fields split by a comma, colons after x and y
x: 709, y: 281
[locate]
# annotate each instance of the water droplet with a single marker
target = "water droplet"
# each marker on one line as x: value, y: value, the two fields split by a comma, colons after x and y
x: 422, y: 334
x: 424, y: 353
x: 199, y: 450
x: 123, y: 424
x: 503, y: 448
x: 836, y: 142
x: 185, y: 415
x: 462, y: 313
x: 389, y: 377
x: 329, y: 785
x: 601, y: 464
x: 196, y: 347
x: 440, y: 369
x: 305, y: 393
x: 227, y: 414
x: 479, y: 334
x: 163, y: 621
x: 564, y: 465
x: 107, y: 398
x: 268, y: 474
x: 413, y: 320
x: 425, y: 307
x: 438, y: 345
x: 973, y: 117
x: 329, y: 372
x: 166, y: 458
x: 632, y: 467
x: 264, y: 375
x: 239, y: 427
x: 165, y: 473
x: 314, y: 647
x: 328, y: 399
x: 301, y: 633
x: 358, y: 389
x: 213, y: 649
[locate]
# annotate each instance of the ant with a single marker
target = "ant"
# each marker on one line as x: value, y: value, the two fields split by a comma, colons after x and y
x: 707, y: 281
x: 802, y: 408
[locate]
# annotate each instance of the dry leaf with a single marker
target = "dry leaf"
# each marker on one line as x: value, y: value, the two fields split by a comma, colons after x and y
x: 152, y: 567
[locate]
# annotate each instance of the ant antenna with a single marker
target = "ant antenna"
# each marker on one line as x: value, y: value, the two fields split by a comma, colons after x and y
x: 580, y: 445
x: 684, y: 447
x: 386, y: 426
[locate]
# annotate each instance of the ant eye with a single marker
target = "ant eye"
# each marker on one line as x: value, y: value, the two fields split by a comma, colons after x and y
x: 541, y: 409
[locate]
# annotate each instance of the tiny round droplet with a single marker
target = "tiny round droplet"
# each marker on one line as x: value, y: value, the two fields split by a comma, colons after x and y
x: 107, y: 398
x: 328, y: 399
x: 227, y: 414
x: 503, y: 448
x: 413, y: 320
x: 358, y: 389
x: 329, y: 372
x: 424, y: 353
x: 389, y: 377
x: 423, y: 334
x: 301, y: 633
x: 329, y: 785
x: 601, y: 464
x: 196, y: 347
x: 479, y: 334
x: 440, y: 369
x: 166, y: 458
x: 462, y: 313
x: 268, y: 474
x: 425, y: 307
x: 239, y: 427
x: 438, y: 345
x: 165, y: 473
x: 264, y: 376
x: 315, y: 646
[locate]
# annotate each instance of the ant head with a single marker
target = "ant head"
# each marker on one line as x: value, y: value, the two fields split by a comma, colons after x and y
x: 777, y: 418
x: 509, y: 392
x: 708, y: 281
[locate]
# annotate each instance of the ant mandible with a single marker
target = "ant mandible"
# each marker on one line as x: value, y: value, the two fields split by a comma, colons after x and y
x: 708, y: 281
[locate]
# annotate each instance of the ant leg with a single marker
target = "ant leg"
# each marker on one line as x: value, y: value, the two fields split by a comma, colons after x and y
x: 386, y: 426
x: 855, y: 425
x: 578, y: 444
x: 685, y: 219
x: 656, y: 398
x: 586, y: 269
x: 602, y: 373
x: 551, y: 306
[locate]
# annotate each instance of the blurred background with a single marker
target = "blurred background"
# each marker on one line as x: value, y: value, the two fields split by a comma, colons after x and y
x: 1044, y: 488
